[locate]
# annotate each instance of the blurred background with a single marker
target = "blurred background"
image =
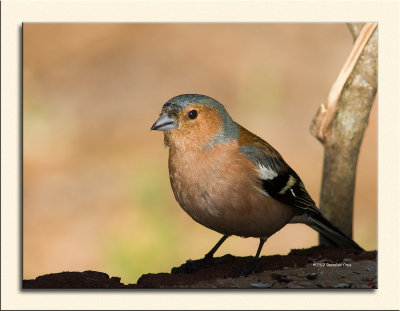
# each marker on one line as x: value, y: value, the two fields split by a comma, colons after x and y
x: 96, y: 192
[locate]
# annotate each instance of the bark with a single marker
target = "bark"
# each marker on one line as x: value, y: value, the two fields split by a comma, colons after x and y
x: 340, y: 124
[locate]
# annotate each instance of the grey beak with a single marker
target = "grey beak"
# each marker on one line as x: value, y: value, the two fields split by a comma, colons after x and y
x: 164, y: 123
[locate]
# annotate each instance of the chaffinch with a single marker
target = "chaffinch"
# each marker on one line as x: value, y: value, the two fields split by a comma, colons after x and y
x: 230, y: 180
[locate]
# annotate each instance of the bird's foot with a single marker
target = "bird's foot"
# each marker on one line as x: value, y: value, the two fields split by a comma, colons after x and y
x: 191, y: 266
x: 249, y: 269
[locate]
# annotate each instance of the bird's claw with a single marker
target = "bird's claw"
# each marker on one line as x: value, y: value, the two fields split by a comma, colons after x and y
x: 191, y: 266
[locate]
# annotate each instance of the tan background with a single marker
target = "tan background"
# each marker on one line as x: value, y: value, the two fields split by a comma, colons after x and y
x: 96, y: 188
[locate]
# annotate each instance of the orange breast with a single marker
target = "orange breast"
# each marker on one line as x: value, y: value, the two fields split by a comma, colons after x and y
x: 217, y: 188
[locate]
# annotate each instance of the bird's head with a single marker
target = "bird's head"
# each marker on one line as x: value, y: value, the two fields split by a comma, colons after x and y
x: 195, y: 121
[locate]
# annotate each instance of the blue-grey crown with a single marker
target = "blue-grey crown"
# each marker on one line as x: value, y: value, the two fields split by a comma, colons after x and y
x: 230, y: 129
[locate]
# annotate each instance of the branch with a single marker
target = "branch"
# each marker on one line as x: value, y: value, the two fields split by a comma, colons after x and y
x: 340, y: 124
x: 323, y: 119
x: 355, y: 29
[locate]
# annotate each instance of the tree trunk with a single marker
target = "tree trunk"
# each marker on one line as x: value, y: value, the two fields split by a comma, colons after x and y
x: 340, y: 124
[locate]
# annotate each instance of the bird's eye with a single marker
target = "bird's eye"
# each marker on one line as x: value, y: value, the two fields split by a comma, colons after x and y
x: 192, y: 114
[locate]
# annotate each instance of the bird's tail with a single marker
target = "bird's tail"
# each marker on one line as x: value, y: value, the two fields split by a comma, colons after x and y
x: 318, y: 222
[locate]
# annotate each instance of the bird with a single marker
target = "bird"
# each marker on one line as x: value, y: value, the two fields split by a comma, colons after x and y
x: 232, y: 181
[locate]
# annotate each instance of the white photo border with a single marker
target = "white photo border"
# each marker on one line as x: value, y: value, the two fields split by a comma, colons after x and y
x: 386, y: 13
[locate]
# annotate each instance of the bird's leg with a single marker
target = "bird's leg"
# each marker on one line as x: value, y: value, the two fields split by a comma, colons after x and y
x: 194, y: 265
x: 260, y: 246
x: 253, y: 266
x: 211, y: 253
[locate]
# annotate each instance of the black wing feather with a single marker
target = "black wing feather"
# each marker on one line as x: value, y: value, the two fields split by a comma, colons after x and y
x: 296, y: 195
